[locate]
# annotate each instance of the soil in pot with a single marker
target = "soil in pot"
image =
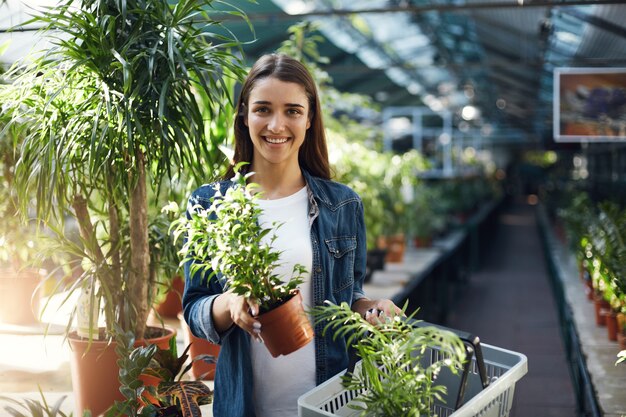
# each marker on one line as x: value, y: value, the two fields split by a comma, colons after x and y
x: 286, y: 328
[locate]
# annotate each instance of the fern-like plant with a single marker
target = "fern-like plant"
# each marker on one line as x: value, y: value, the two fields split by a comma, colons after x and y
x: 228, y: 239
x: 393, y: 378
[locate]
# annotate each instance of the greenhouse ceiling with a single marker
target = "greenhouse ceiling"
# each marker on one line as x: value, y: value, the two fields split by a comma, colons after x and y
x: 488, y: 62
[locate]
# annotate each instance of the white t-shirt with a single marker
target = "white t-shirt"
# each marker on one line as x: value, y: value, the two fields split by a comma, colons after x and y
x: 278, y: 382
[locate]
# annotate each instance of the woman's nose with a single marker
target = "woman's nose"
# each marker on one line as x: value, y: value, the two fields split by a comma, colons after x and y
x: 276, y: 123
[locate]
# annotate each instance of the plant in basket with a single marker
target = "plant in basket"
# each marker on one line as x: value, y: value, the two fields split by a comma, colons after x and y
x: 393, y: 379
x: 228, y: 240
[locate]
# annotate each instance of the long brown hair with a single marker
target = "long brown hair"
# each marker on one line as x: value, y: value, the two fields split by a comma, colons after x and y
x: 313, y: 154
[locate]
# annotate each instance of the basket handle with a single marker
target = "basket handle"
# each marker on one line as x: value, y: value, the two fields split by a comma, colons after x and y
x: 472, y: 348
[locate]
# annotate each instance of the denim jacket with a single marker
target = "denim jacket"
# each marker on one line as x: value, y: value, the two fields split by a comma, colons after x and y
x: 338, y: 242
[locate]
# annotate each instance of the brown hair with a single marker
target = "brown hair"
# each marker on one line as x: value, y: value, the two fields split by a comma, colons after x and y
x: 313, y: 154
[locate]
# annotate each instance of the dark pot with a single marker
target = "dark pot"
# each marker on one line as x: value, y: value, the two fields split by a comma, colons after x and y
x: 376, y: 259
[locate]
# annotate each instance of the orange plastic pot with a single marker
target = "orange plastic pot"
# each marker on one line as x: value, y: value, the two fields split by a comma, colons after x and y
x: 286, y: 328
x: 95, y: 372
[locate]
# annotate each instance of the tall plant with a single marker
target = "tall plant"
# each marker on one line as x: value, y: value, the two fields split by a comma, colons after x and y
x: 112, y: 111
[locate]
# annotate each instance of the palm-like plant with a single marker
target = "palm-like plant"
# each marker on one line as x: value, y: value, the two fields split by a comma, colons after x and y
x: 111, y: 110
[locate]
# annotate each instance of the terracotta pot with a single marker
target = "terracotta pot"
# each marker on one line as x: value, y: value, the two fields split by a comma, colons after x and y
x: 423, y: 242
x: 621, y: 339
x: 286, y: 328
x: 172, y: 305
x: 610, y: 318
x: 395, y: 246
x: 601, y: 307
x: 95, y: 372
x: 19, y: 298
x: 200, y: 369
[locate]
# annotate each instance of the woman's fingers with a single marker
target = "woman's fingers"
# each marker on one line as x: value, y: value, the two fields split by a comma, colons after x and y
x: 242, y: 312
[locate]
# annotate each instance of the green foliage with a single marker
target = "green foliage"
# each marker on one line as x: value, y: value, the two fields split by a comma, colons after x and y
x: 110, y: 110
x: 227, y: 238
x: 174, y: 397
x: 393, y: 378
x: 34, y: 408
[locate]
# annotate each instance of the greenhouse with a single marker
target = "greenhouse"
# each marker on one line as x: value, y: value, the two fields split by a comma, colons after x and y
x: 313, y: 208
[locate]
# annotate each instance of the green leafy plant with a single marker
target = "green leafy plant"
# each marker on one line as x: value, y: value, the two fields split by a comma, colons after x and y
x: 111, y: 112
x: 36, y: 408
x: 393, y: 378
x: 228, y: 238
x: 173, y: 396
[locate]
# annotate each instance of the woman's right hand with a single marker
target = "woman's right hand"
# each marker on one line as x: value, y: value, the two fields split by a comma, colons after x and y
x: 243, y: 312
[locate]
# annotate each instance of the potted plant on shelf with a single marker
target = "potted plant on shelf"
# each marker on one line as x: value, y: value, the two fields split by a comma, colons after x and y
x: 425, y: 221
x: 111, y: 111
x: 226, y: 241
x: 393, y: 379
x: 20, y: 280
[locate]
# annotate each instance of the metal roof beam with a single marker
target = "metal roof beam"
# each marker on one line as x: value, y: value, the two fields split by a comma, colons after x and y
x: 596, y: 21
x: 431, y: 7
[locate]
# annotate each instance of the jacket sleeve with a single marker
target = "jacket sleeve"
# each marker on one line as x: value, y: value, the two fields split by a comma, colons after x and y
x: 201, y: 289
x: 360, y: 255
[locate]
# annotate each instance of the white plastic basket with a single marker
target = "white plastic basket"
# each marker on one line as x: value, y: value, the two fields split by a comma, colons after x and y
x: 504, y: 368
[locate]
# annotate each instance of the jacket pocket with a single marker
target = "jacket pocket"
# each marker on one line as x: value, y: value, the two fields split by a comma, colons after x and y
x: 342, y: 251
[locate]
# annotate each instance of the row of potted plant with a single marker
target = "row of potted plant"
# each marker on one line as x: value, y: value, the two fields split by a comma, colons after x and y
x: 596, y: 232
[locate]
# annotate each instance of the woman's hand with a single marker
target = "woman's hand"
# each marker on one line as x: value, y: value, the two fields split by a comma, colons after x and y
x: 236, y: 309
x: 375, y: 310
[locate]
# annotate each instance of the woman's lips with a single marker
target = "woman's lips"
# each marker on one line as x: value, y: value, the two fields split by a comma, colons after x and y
x: 275, y: 140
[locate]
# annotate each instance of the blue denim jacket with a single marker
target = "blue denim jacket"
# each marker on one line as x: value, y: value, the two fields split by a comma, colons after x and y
x: 338, y: 242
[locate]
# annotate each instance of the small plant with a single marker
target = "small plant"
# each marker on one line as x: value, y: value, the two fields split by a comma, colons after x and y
x: 34, y: 408
x: 172, y: 397
x: 228, y: 239
x: 393, y: 379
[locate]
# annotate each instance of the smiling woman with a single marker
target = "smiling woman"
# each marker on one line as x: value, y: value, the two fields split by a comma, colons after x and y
x: 280, y: 134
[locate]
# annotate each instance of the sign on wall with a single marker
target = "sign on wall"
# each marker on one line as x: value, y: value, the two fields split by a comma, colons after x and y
x: 589, y: 104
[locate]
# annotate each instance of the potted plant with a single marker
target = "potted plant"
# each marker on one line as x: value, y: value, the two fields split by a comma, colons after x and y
x: 111, y: 112
x: 19, y: 245
x: 160, y: 390
x: 227, y: 242
x: 425, y: 221
x: 393, y: 379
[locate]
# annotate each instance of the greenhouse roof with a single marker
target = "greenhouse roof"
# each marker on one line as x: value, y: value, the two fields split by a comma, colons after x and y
x: 496, y: 56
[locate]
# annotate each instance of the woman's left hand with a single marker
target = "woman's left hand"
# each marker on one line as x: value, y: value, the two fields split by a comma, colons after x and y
x: 375, y: 310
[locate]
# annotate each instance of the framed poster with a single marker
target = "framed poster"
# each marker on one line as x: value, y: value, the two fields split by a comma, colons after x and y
x: 589, y: 104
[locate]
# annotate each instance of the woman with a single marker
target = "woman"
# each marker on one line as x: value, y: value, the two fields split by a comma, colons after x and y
x: 279, y: 131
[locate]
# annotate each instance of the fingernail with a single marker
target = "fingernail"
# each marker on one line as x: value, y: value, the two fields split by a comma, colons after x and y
x: 256, y: 325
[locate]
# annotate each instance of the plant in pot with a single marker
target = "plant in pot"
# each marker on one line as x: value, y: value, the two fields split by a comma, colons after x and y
x: 227, y: 242
x: 395, y: 377
x: 161, y: 391
x: 425, y: 221
x: 20, y: 280
x: 111, y: 112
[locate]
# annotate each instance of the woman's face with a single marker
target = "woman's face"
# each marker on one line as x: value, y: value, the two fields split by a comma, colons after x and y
x: 277, y: 119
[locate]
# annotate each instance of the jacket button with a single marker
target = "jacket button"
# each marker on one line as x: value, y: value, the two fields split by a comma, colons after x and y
x: 318, y: 269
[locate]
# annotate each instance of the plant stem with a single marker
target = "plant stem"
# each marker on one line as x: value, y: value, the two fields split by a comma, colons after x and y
x: 140, y: 251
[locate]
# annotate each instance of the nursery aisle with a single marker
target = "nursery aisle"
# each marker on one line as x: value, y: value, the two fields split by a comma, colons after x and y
x: 509, y: 303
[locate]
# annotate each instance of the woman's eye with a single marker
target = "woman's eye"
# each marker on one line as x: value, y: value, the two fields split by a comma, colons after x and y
x: 294, y: 111
x: 261, y: 110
